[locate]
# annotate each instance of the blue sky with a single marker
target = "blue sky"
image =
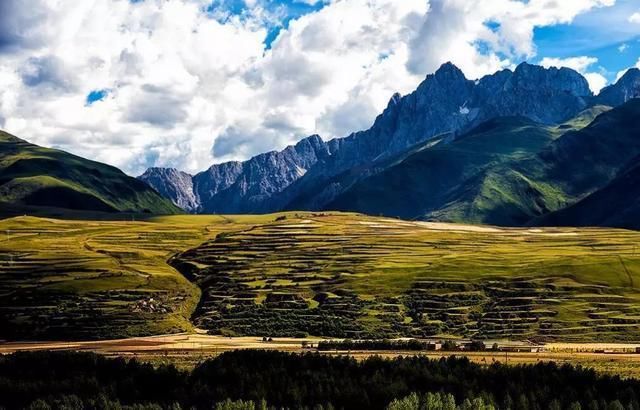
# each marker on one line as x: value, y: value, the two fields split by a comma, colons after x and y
x: 188, y: 83
x: 282, y: 12
x: 606, y: 34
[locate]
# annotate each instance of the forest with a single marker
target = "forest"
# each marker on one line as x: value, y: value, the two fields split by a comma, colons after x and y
x: 255, y: 379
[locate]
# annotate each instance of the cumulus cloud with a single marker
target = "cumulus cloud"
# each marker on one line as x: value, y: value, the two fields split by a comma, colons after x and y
x: 459, y: 29
x: 21, y: 26
x: 157, y: 106
x: 191, y: 82
x: 583, y: 65
x: 48, y: 72
x: 635, y: 18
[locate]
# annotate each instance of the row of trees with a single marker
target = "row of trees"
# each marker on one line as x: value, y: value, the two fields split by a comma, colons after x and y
x: 442, y: 401
x: 405, y: 345
x: 253, y: 379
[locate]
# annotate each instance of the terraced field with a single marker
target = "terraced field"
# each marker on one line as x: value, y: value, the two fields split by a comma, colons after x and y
x: 340, y: 275
x: 99, y: 279
x: 354, y: 276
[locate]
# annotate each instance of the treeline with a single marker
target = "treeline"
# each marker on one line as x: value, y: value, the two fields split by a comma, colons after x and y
x: 255, y: 380
x: 388, y: 344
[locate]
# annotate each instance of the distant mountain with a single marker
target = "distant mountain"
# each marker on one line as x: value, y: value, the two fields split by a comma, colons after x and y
x: 626, y: 88
x: 506, y: 149
x: 616, y: 203
x: 33, y: 176
x: 424, y: 181
x: 239, y: 187
x: 173, y: 184
x: 444, y: 103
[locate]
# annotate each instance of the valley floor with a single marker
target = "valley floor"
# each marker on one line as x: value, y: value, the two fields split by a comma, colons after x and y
x: 187, y: 350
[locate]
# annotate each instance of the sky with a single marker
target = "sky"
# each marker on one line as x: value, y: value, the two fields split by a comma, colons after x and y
x: 189, y: 83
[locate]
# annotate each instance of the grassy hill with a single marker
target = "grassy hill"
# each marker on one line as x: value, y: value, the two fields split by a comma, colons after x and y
x: 83, y: 279
x: 423, y: 181
x: 322, y: 274
x: 40, y: 178
x: 617, y: 204
x: 569, y: 169
x: 505, y: 172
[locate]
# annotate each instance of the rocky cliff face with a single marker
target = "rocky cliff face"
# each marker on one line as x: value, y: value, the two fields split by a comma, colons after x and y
x: 547, y: 96
x: 311, y: 173
x: 173, y: 184
x: 238, y: 187
x: 247, y: 187
x: 626, y: 88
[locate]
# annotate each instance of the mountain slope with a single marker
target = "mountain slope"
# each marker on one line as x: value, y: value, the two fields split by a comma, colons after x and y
x: 238, y: 187
x: 615, y: 205
x: 422, y: 182
x: 36, y: 176
x: 258, y: 179
x: 173, y: 184
x: 445, y: 102
x: 572, y: 167
x: 626, y: 88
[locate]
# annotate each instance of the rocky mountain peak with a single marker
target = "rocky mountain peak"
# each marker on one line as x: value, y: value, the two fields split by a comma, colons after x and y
x: 235, y: 186
x: 173, y: 184
x: 626, y: 88
x: 394, y: 100
x: 449, y: 70
x: 311, y: 143
x: 448, y: 77
x: 533, y: 77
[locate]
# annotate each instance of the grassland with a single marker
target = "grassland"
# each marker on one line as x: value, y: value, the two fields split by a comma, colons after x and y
x: 356, y: 276
x: 66, y: 279
x: 340, y: 275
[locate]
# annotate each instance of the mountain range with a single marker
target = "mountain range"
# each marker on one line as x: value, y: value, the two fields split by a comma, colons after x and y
x: 532, y: 146
x: 506, y: 149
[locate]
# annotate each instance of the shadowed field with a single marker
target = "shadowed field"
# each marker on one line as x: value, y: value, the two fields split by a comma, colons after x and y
x: 340, y: 275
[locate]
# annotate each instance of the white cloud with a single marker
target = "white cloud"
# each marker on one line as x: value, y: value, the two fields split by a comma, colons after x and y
x: 635, y: 18
x: 188, y: 86
x: 582, y: 65
x: 596, y: 81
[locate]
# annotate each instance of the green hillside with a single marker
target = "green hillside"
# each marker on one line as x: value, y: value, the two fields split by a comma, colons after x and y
x: 424, y: 181
x: 346, y: 275
x: 506, y: 172
x: 571, y: 168
x: 617, y: 204
x: 84, y: 279
x: 33, y: 176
